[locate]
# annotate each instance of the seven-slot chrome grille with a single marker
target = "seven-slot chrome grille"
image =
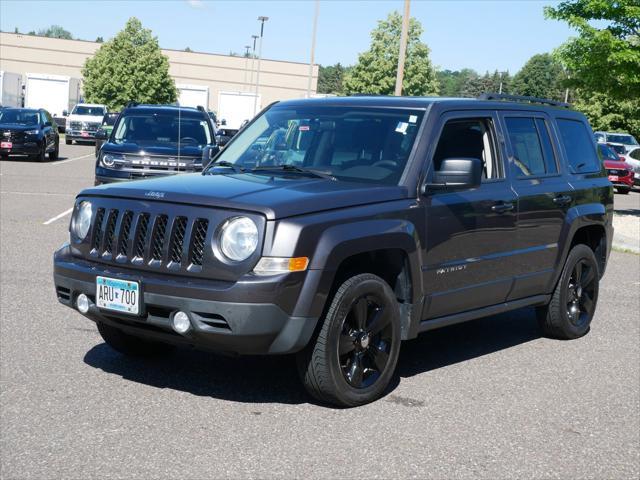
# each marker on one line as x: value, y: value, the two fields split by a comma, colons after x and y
x: 154, y: 239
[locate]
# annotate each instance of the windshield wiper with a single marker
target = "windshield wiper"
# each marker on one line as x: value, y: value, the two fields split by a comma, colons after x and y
x: 294, y: 169
x: 224, y: 164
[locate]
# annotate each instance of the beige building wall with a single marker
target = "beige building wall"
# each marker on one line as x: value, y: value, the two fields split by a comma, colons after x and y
x: 279, y: 80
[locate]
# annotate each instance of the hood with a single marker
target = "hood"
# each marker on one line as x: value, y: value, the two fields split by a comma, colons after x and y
x: 275, y: 197
x: 85, y: 118
x: 153, y: 149
x: 16, y: 127
x: 617, y: 165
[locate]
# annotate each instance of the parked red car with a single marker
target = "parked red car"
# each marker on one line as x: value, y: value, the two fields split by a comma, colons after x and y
x: 620, y: 173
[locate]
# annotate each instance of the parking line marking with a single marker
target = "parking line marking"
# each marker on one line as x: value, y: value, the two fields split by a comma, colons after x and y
x: 58, y: 217
x: 73, y: 159
x: 38, y: 194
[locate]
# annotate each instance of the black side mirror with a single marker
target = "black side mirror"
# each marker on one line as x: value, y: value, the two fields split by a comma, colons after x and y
x: 208, y: 153
x: 65, y: 113
x: 222, y: 140
x: 223, y: 122
x: 101, y: 134
x: 456, y: 174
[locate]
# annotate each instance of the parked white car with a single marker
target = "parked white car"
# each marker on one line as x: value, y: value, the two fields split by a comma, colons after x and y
x: 84, y: 121
x: 629, y: 141
x: 633, y: 158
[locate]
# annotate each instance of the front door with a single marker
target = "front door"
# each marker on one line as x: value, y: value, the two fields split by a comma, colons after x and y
x: 470, y: 233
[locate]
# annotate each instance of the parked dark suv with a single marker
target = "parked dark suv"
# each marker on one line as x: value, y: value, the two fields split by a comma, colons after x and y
x: 151, y: 140
x: 336, y: 228
x: 30, y: 132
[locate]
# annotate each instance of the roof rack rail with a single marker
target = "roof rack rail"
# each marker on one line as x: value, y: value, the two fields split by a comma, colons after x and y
x: 522, y: 98
x: 132, y: 104
x: 201, y: 108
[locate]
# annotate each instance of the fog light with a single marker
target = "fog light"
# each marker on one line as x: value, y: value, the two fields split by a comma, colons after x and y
x: 82, y: 303
x: 180, y: 322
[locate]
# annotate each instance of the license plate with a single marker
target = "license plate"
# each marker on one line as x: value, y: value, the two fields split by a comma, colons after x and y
x: 613, y: 178
x: 118, y: 295
x: 84, y: 134
x: 6, y: 145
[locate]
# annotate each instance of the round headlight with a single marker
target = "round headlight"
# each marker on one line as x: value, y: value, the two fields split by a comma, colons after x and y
x: 239, y: 238
x: 82, y: 220
x: 108, y: 160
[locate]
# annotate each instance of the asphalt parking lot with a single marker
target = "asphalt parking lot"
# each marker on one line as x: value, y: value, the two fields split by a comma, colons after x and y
x: 487, y: 399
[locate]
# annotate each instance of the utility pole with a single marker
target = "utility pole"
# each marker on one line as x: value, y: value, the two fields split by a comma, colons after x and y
x: 246, y: 64
x: 253, y: 57
x: 500, y: 92
x: 313, y: 47
x: 255, y: 100
x: 403, y: 49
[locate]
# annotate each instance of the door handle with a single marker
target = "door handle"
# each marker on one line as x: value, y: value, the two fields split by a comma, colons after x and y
x: 502, y: 207
x: 562, y: 200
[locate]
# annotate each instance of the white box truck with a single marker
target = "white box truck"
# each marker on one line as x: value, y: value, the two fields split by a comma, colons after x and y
x: 10, y: 89
x: 193, y: 95
x: 236, y: 107
x: 55, y: 93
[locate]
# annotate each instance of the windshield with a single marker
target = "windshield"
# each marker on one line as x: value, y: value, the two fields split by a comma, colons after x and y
x: 606, y: 153
x: 153, y: 129
x: 617, y: 148
x: 351, y: 144
x: 625, y: 139
x: 84, y: 110
x: 19, y: 117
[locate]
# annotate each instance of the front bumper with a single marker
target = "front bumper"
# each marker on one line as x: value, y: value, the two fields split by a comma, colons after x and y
x: 80, y: 135
x: 26, y: 148
x: 220, y: 322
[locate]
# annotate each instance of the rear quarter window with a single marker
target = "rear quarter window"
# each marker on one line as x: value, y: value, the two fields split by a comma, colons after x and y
x: 577, y: 142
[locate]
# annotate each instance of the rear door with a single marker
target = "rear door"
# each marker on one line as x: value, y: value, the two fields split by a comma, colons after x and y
x: 470, y: 233
x: 543, y: 194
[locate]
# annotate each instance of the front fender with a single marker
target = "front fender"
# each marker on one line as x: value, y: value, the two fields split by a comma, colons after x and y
x: 339, y: 242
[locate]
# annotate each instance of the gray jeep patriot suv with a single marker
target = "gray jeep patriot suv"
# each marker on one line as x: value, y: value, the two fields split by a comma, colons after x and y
x: 337, y: 228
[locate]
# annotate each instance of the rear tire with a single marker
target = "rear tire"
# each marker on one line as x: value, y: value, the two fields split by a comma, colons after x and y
x: 623, y: 190
x: 575, y: 297
x: 130, y: 345
x: 354, y: 356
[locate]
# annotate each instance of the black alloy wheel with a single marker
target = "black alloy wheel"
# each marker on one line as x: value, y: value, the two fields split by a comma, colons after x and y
x: 580, y: 293
x: 573, y: 303
x: 365, y: 341
x: 353, y: 356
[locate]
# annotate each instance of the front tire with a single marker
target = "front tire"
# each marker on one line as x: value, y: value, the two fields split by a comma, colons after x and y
x: 68, y: 141
x: 356, y: 351
x: 41, y: 156
x: 623, y: 190
x: 130, y: 345
x: 53, y: 155
x: 575, y: 297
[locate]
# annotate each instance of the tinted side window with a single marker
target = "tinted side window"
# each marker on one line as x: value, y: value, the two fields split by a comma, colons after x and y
x: 473, y: 138
x: 635, y: 154
x: 578, y: 146
x: 531, y: 146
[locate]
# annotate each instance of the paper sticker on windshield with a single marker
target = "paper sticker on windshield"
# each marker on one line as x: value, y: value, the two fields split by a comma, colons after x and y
x: 303, y: 128
x: 413, y: 118
x: 402, y: 127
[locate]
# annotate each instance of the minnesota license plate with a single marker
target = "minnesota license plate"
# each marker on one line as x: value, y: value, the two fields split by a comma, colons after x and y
x: 6, y: 145
x: 118, y: 295
x: 613, y: 178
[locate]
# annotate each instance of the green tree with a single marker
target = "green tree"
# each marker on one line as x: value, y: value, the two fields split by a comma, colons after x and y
x: 129, y: 67
x: 187, y: 49
x: 99, y: 40
x: 605, y: 56
x: 375, y: 72
x: 610, y: 114
x: 542, y: 76
x: 331, y: 78
x: 55, y: 31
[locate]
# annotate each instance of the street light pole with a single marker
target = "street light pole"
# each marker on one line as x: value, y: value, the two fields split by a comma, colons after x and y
x: 313, y: 47
x: 255, y: 100
x: 253, y: 57
x: 246, y: 63
x: 403, y: 49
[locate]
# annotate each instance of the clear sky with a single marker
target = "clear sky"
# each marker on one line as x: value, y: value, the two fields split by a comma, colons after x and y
x: 484, y: 35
